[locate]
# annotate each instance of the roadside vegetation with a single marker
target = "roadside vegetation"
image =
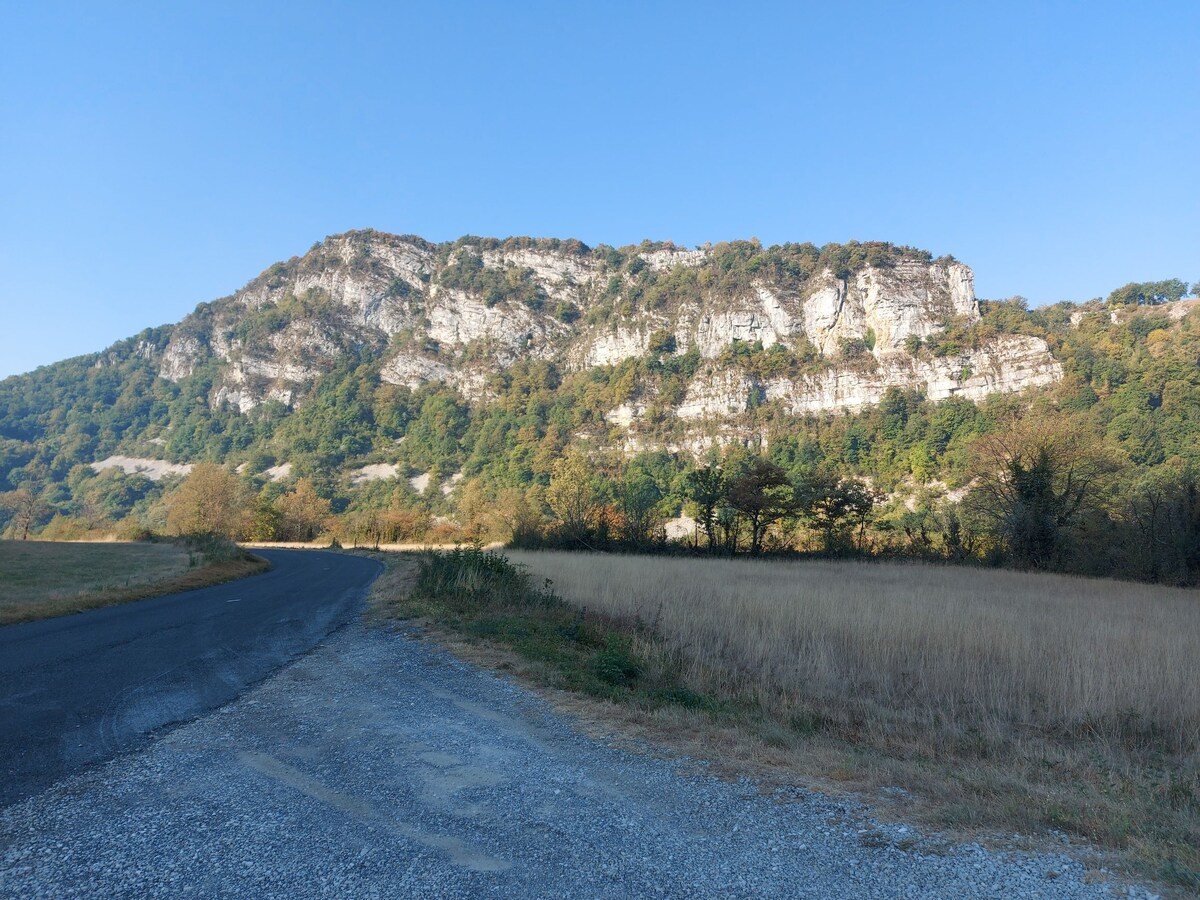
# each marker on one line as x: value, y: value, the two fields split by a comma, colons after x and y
x: 1000, y: 701
x: 42, y: 579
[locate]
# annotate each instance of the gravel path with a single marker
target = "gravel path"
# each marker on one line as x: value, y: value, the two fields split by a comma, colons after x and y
x: 379, y: 766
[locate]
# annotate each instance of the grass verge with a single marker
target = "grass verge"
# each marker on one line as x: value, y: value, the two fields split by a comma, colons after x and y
x: 44, y: 579
x: 1132, y: 794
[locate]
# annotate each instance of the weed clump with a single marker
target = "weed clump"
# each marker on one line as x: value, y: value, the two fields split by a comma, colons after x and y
x: 485, y: 596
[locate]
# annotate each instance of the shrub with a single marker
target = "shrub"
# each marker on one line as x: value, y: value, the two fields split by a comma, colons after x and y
x: 472, y: 577
x: 616, y: 665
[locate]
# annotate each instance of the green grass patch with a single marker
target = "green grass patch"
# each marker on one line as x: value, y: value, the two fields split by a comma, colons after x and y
x: 41, y: 579
x: 483, y: 596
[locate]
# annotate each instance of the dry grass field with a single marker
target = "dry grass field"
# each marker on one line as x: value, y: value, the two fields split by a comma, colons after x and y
x: 39, y: 579
x: 966, y: 650
x: 1002, y: 700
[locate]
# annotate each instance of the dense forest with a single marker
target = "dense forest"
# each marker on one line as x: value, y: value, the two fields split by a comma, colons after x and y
x: 1098, y: 473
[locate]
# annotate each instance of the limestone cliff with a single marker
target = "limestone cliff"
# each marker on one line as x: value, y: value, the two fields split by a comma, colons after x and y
x: 848, y: 321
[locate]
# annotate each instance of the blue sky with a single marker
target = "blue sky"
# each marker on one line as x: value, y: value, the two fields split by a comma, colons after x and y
x: 153, y: 156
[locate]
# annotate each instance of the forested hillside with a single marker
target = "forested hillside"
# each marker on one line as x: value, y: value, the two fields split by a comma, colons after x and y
x: 851, y: 398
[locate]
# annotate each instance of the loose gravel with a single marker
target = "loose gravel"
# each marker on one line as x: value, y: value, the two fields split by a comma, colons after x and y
x: 381, y: 766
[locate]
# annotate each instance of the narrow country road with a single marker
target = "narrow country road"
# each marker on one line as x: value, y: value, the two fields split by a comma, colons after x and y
x: 380, y: 766
x: 78, y: 690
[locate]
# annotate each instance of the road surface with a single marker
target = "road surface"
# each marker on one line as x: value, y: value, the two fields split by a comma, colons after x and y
x: 379, y: 766
x: 78, y: 690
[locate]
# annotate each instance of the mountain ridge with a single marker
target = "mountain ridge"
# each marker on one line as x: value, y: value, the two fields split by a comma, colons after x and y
x: 457, y: 312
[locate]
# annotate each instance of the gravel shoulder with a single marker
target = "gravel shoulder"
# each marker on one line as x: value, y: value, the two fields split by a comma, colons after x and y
x: 379, y: 766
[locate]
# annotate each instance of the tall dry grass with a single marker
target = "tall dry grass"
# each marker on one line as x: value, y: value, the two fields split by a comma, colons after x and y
x: 917, y: 654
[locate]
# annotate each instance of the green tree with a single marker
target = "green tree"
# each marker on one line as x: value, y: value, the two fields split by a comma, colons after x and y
x: 210, y: 500
x: 1034, y: 480
x: 833, y: 504
x: 1148, y: 293
x: 637, y: 497
x: 264, y: 521
x: 706, y: 488
x: 763, y: 496
x: 1164, y: 507
x: 571, y: 496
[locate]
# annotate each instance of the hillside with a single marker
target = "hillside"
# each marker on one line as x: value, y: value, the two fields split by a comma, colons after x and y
x: 393, y: 374
x: 732, y: 325
x: 841, y: 319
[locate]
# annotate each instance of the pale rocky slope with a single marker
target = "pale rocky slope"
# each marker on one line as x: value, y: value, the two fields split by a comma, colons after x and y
x: 408, y: 303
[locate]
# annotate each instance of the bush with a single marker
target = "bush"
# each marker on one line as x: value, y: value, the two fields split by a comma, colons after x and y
x: 472, y: 577
x: 616, y: 665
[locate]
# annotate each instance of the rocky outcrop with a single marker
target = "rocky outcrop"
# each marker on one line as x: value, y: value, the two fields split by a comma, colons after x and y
x: 153, y: 469
x: 180, y: 358
x: 889, y: 304
x: 412, y: 371
x: 456, y: 314
x: 1011, y: 363
x: 611, y: 347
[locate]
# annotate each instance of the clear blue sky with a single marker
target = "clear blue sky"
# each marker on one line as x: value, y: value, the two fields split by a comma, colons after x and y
x: 152, y: 156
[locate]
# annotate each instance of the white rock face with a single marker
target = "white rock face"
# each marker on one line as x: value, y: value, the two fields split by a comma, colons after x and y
x: 279, y: 473
x: 154, y: 469
x: 910, y: 298
x: 413, y: 371
x: 1012, y: 363
x: 384, y: 293
x: 449, y: 484
x: 457, y: 318
x: 681, y: 528
x: 612, y: 347
x: 358, y: 273
x: 250, y: 381
x: 180, y: 358
x: 717, y: 331
x: 375, y: 472
x: 625, y: 415
x: 718, y: 395
x: 559, y: 273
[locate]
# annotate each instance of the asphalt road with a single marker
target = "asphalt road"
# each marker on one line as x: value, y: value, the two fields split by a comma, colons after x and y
x: 78, y: 690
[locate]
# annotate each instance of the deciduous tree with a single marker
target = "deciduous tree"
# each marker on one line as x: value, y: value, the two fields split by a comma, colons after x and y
x: 571, y: 496
x: 211, y: 500
x: 637, y: 496
x: 762, y: 495
x: 27, y: 505
x: 1035, y: 479
x: 302, y: 512
x: 833, y: 505
x: 706, y: 487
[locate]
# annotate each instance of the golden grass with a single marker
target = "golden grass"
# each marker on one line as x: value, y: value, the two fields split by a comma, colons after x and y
x: 41, y: 579
x: 999, y: 652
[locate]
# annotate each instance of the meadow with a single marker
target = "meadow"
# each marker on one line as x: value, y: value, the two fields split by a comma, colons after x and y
x: 919, y: 651
x: 40, y: 579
